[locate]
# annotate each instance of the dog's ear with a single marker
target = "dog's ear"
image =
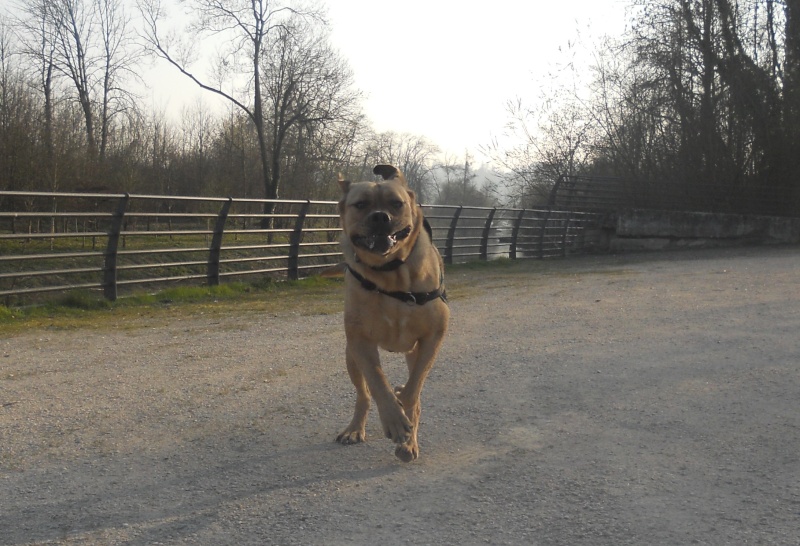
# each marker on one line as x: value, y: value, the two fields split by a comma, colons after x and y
x: 344, y: 184
x: 388, y: 172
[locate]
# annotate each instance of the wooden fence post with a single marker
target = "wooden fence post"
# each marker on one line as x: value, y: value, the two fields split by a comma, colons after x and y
x: 216, y: 243
x: 110, y: 260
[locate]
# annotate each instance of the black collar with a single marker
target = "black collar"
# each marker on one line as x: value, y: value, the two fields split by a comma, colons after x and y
x: 420, y: 298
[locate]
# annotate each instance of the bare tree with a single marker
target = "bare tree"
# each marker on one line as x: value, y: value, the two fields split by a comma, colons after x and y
x: 236, y: 158
x: 162, y: 150
x: 196, y: 131
x: 18, y: 144
x: 308, y: 89
x: 36, y: 30
x: 413, y: 154
x: 460, y: 185
x: 243, y: 27
x: 551, y: 140
x: 718, y: 64
x: 72, y: 24
x: 119, y: 59
x: 90, y: 44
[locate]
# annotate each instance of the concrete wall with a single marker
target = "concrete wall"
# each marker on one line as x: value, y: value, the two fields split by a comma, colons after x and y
x: 658, y: 230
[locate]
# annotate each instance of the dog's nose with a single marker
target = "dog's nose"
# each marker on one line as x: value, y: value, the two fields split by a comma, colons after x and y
x: 379, y: 218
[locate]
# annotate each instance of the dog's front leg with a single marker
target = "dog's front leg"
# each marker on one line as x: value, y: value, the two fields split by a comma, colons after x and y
x: 420, y: 361
x: 396, y: 426
x: 356, y: 431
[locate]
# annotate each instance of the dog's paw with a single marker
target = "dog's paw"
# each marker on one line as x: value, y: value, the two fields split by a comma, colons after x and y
x: 398, y: 390
x: 398, y: 430
x: 349, y: 437
x: 407, y: 452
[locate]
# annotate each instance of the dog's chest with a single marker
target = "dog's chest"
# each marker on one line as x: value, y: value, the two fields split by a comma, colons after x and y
x: 393, y: 326
x: 398, y: 331
x: 401, y: 342
x: 396, y: 323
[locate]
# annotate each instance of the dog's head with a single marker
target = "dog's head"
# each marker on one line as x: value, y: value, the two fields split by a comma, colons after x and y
x: 379, y: 219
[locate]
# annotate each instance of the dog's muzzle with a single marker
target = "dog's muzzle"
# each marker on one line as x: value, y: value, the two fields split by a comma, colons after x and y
x: 379, y: 242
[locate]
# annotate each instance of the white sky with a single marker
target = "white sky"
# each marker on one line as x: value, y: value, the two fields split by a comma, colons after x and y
x: 441, y: 69
x: 445, y: 69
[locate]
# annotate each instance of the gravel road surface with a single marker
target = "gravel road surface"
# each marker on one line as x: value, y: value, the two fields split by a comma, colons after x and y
x: 639, y: 399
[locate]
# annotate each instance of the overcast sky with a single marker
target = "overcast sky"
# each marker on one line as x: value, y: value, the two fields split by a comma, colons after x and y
x: 441, y: 69
x: 445, y: 69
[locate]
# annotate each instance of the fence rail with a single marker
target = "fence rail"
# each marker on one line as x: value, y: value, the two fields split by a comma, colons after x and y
x: 57, y: 242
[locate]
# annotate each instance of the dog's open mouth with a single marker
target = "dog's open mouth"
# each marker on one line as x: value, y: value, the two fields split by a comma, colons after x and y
x: 380, y: 243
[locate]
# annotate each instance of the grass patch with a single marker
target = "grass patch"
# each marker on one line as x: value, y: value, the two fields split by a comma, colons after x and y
x: 82, y: 300
x: 314, y: 295
x: 311, y: 296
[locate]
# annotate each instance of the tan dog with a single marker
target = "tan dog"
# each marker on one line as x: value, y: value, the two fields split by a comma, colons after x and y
x: 394, y: 300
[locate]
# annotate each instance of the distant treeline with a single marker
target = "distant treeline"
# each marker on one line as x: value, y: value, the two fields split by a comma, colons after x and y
x: 698, y: 95
x: 70, y: 119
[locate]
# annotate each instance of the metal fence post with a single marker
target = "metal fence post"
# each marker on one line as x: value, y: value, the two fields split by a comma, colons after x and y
x: 110, y: 261
x: 566, y: 231
x: 485, y: 236
x: 543, y: 231
x: 294, y: 242
x: 512, y: 250
x: 216, y: 243
x: 451, y: 235
x: 551, y: 202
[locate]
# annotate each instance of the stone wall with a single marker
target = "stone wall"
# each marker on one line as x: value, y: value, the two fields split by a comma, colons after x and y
x: 634, y: 230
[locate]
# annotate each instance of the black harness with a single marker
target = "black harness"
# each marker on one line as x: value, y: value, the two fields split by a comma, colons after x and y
x: 411, y: 298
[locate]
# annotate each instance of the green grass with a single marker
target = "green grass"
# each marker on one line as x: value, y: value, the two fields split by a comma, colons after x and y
x: 77, y: 309
x: 310, y: 296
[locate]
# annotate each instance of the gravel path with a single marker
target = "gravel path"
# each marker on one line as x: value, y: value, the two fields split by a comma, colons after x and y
x: 645, y: 399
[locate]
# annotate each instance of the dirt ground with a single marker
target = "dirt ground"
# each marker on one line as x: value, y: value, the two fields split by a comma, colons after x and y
x: 639, y: 399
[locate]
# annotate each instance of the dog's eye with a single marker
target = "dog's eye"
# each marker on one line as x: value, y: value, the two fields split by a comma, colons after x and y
x: 397, y: 204
x: 361, y: 205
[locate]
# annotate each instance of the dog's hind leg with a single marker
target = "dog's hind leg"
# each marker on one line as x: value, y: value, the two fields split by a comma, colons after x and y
x: 356, y: 431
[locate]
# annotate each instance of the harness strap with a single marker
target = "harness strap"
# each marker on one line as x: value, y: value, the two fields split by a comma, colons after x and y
x: 388, y: 266
x: 419, y: 298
